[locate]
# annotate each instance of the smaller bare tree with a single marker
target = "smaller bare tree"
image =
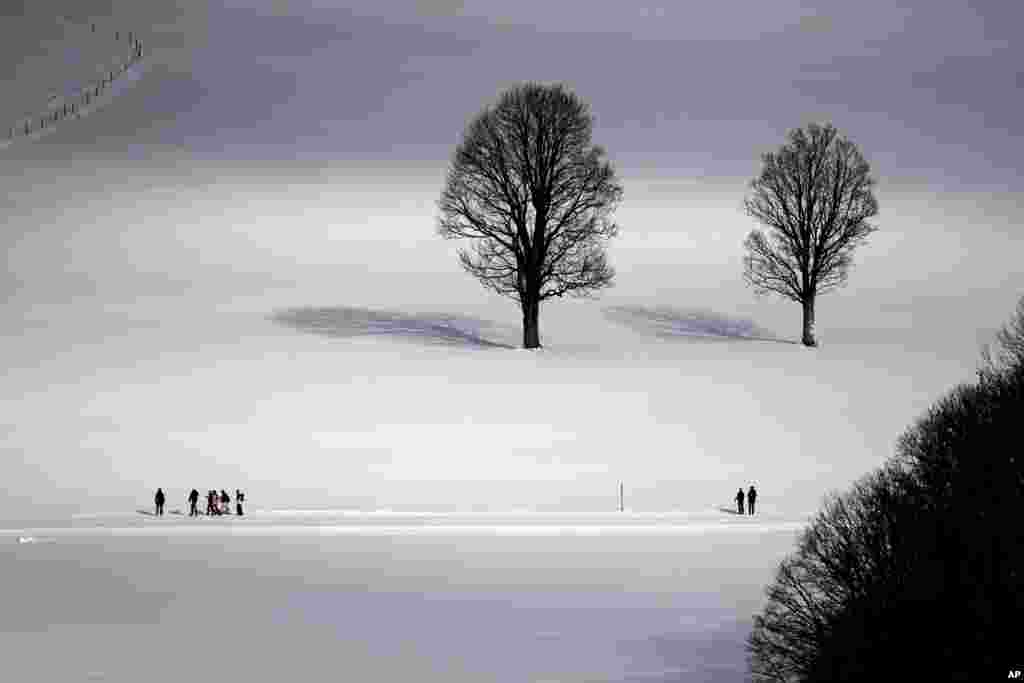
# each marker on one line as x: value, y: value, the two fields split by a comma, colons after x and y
x: 815, y: 197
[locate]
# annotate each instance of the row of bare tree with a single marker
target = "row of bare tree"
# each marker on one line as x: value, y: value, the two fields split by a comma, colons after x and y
x: 84, y: 97
x: 916, y: 572
x: 535, y: 196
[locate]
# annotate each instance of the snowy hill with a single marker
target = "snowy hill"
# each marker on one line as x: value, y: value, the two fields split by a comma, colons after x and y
x: 174, y: 317
x: 57, y: 69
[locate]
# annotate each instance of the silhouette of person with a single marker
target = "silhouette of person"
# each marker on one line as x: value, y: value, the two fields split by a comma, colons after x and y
x: 193, y: 500
x: 159, y: 500
x: 739, y: 501
x: 210, y: 507
x: 751, y: 497
x: 224, y: 502
x: 239, y: 499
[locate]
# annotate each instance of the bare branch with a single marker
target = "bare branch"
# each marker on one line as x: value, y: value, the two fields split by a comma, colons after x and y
x: 815, y: 197
x: 527, y: 184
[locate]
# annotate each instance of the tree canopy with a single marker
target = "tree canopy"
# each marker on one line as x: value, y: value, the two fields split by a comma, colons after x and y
x: 535, y: 195
x: 815, y: 197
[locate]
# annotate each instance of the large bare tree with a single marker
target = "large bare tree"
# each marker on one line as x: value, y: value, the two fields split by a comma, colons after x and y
x: 814, y: 196
x: 535, y: 195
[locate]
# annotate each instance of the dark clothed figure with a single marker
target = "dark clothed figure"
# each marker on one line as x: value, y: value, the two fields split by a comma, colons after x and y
x: 211, y: 509
x: 159, y: 500
x: 739, y: 501
x: 225, y: 500
x: 239, y: 499
x: 193, y: 500
x: 751, y: 497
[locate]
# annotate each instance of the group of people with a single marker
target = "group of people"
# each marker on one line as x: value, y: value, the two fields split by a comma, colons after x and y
x: 751, y: 498
x: 216, y: 503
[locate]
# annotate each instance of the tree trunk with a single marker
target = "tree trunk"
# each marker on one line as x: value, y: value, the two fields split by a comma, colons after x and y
x: 808, y: 338
x: 531, y: 326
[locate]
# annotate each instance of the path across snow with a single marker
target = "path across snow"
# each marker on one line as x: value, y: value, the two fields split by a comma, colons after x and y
x: 286, y: 523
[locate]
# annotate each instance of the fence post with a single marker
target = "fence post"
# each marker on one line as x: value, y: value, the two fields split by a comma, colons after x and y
x: 87, y: 94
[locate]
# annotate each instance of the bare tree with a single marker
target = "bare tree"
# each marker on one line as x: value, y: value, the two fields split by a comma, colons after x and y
x: 915, y: 572
x: 535, y: 195
x: 846, y: 605
x: 1008, y: 353
x: 815, y: 197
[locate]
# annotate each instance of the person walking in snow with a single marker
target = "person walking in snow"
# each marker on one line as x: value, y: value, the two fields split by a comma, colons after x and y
x: 225, y: 501
x: 739, y: 501
x: 159, y: 500
x: 751, y: 497
x: 239, y: 499
x: 193, y: 500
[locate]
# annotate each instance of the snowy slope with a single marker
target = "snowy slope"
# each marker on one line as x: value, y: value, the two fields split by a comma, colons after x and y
x: 299, y: 331
x: 278, y: 345
x: 58, y: 69
x: 445, y: 607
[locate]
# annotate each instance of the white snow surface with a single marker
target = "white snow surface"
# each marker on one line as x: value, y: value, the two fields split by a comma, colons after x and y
x: 427, y: 500
x: 56, y: 59
x: 413, y: 522
x: 299, y: 331
x: 450, y: 598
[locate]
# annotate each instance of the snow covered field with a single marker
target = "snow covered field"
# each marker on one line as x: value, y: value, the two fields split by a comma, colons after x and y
x: 386, y: 597
x: 50, y: 61
x: 318, y: 348
x: 307, y: 338
x: 229, y: 278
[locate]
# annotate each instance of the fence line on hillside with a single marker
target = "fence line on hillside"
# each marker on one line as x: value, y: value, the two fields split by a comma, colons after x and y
x: 26, y: 126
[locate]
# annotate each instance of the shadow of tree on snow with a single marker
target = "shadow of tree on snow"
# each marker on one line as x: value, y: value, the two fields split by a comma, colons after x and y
x: 429, y: 328
x: 666, y: 323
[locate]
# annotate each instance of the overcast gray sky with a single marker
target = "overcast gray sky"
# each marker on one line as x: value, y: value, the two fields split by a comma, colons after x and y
x: 932, y: 91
